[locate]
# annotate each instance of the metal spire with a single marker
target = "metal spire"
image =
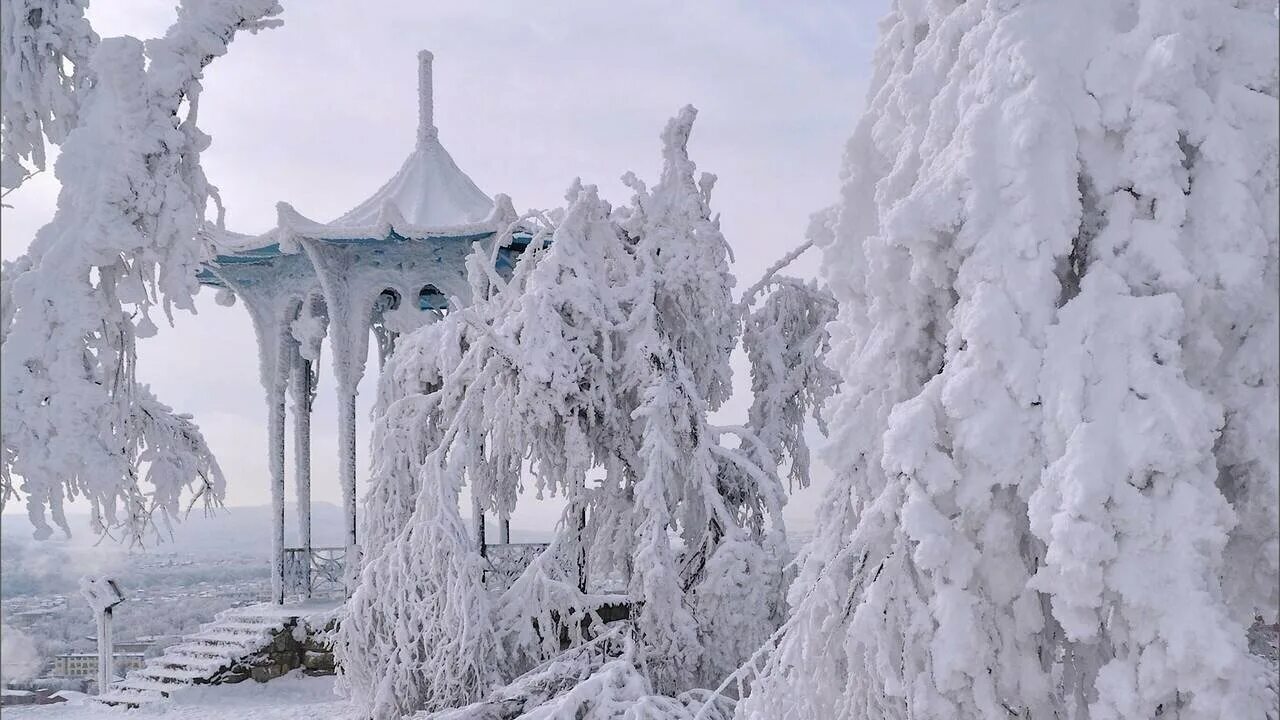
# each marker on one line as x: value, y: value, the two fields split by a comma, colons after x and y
x: 426, y: 118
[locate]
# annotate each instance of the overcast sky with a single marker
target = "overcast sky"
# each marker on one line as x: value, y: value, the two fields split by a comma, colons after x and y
x: 322, y: 111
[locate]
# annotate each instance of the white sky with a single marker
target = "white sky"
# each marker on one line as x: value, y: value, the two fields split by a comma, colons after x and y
x: 322, y: 111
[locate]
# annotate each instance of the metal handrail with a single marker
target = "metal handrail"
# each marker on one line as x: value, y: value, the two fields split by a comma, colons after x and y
x: 317, y: 568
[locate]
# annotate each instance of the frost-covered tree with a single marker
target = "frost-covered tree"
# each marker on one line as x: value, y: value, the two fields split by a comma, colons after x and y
x: 786, y: 340
x: 47, y: 46
x: 1056, y: 263
x: 589, y: 373
x: 76, y: 423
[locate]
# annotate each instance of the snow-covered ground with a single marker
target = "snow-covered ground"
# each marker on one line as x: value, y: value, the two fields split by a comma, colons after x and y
x: 293, y: 697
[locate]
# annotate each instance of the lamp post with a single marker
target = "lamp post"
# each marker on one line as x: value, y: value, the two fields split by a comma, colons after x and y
x: 103, y: 595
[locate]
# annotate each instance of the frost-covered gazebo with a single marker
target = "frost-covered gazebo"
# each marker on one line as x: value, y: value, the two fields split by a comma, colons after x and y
x: 391, y: 264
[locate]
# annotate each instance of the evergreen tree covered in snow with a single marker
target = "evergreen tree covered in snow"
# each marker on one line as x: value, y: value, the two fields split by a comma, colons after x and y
x: 1056, y: 263
x: 123, y: 240
x: 588, y: 373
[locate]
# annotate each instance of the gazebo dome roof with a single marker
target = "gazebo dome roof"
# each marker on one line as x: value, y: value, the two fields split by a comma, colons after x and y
x: 429, y: 197
x: 429, y: 191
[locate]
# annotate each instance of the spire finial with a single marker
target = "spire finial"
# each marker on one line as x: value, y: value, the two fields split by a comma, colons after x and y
x: 426, y: 119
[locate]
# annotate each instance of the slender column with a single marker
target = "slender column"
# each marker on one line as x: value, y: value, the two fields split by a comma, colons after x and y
x: 275, y: 400
x: 386, y: 344
x: 269, y: 303
x: 350, y: 315
x: 276, y: 366
x: 349, y: 319
x: 347, y: 441
x: 302, y: 401
x: 106, y: 651
x: 504, y: 530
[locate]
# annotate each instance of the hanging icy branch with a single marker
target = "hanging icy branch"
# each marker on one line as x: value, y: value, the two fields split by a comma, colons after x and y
x: 419, y: 633
x: 787, y: 343
x: 603, y: 678
x: 589, y: 372
x: 1059, y: 362
x: 47, y: 47
x: 749, y: 297
x: 123, y: 240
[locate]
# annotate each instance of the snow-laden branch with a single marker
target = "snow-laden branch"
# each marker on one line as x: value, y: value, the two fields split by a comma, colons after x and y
x: 1056, y: 333
x: 749, y: 296
x: 123, y: 240
x: 590, y: 373
x: 47, y: 47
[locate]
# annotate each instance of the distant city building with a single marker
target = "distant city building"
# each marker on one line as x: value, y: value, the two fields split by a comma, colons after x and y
x: 26, y: 617
x: 133, y: 647
x: 51, y: 684
x: 44, y: 696
x: 138, y: 645
x: 77, y: 665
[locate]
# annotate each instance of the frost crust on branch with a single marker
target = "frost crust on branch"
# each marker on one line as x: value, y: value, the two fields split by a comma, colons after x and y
x: 76, y: 423
x: 1056, y: 473
x: 588, y: 373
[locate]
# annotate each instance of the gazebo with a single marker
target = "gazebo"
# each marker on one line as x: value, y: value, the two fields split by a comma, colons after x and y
x: 393, y: 263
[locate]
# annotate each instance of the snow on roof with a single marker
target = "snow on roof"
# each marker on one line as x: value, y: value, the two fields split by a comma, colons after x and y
x: 226, y: 242
x: 293, y: 224
x: 429, y: 197
x: 429, y: 190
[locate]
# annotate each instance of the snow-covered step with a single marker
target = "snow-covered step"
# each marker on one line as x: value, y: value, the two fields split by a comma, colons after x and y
x: 257, y: 617
x: 142, y: 684
x: 130, y: 697
x: 253, y: 611
x: 212, y: 639
x: 234, y: 637
x: 201, y: 654
x: 203, y: 665
x: 199, y: 649
x: 235, y: 623
x: 244, y: 620
x: 228, y: 637
x: 250, y: 623
x: 171, y: 674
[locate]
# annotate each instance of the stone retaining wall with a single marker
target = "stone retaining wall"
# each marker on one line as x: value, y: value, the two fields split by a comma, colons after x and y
x: 294, y: 646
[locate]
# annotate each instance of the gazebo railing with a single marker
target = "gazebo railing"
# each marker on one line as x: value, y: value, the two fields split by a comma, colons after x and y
x: 505, y: 562
x: 320, y: 572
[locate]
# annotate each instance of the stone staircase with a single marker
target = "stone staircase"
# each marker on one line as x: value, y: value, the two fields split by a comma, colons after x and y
x: 206, y: 656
